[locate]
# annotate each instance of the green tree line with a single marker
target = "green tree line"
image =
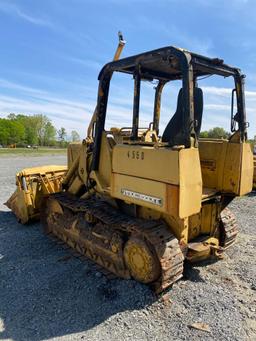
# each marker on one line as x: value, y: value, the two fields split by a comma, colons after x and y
x: 215, y: 133
x: 218, y: 133
x: 34, y: 130
x: 38, y: 130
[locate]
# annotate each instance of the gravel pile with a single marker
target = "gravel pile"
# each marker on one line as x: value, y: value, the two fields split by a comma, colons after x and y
x: 46, y: 294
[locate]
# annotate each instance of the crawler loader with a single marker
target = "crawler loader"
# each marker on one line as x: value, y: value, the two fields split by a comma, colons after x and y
x: 138, y: 203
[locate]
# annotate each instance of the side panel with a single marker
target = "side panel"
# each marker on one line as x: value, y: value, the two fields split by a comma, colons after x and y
x: 247, y: 170
x: 231, y: 176
x: 238, y: 175
x: 143, y: 192
x: 147, y: 162
x: 212, y: 158
x: 190, y: 182
x: 226, y: 166
x: 180, y: 200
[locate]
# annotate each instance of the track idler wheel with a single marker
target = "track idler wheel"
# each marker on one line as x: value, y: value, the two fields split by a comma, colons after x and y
x: 141, y: 260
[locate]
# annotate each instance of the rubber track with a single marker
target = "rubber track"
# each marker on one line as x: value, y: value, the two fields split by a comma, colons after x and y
x: 154, y: 231
x: 229, y: 228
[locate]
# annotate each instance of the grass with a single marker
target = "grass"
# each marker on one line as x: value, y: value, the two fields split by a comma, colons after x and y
x: 32, y: 152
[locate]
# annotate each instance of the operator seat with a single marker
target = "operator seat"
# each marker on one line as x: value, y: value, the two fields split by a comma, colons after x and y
x: 174, y: 127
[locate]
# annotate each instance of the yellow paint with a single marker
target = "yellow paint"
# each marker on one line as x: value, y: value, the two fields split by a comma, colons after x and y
x: 160, y: 164
x: 226, y: 166
x: 247, y: 170
x: 141, y: 186
x: 39, y: 181
x: 190, y: 195
x: 149, y: 171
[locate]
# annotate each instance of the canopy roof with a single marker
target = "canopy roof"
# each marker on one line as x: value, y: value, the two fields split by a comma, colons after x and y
x: 167, y: 63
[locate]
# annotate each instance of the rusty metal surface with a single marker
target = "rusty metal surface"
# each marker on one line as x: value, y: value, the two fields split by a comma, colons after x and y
x: 112, y: 228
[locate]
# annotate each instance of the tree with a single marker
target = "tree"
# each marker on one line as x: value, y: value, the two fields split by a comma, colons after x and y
x: 36, y: 127
x: 40, y: 122
x: 4, y: 132
x: 62, y: 134
x: 30, y: 125
x: 16, y: 132
x: 11, y: 131
x: 75, y: 136
x: 31, y: 130
x: 12, y: 116
x: 49, y: 134
x: 216, y: 133
x: 204, y: 134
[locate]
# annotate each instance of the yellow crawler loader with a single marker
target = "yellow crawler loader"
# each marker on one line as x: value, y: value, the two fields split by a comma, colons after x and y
x: 138, y: 203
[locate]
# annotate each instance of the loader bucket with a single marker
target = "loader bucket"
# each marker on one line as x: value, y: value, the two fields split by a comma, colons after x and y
x: 32, y: 185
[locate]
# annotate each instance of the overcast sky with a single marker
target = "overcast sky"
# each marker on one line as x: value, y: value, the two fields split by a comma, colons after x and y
x: 53, y: 50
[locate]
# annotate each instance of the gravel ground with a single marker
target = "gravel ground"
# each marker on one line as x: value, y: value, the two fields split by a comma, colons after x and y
x: 45, y: 294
